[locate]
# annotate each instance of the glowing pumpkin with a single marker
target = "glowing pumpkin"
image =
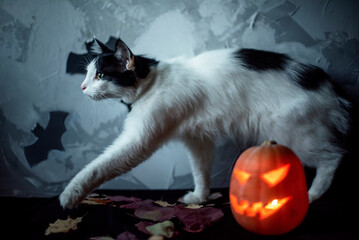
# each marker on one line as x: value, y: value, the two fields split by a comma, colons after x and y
x: 268, y: 190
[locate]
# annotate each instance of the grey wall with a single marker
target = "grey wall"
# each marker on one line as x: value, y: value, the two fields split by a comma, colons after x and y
x: 36, y: 37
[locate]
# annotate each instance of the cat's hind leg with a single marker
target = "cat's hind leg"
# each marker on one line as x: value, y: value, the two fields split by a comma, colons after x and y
x: 201, y: 154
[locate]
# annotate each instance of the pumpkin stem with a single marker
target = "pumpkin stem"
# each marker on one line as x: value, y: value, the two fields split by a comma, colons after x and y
x: 268, y: 142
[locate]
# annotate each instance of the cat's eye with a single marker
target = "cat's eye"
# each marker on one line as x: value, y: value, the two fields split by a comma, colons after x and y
x: 99, y: 76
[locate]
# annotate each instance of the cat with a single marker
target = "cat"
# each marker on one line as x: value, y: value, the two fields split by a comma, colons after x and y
x: 245, y: 94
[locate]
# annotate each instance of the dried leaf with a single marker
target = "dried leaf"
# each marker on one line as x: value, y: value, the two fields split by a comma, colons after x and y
x: 155, y: 213
x: 102, y: 238
x: 120, y: 198
x: 157, y: 237
x: 136, y: 205
x: 95, y: 201
x: 164, y: 203
x: 63, y: 226
x: 149, y: 211
x: 196, y: 220
x: 127, y: 236
x: 166, y: 229
x: 194, y: 206
x: 142, y: 226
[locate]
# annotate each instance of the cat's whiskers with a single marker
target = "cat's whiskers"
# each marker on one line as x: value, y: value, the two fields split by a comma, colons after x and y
x: 103, y: 99
x: 97, y: 105
x: 91, y: 113
x: 83, y: 106
x: 92, y: 109
x: 84, y: 62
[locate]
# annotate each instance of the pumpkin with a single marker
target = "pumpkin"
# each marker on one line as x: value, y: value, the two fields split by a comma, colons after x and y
x: 268, y: 190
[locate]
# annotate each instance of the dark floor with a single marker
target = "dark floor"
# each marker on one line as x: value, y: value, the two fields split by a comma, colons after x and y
x: 327, y: 218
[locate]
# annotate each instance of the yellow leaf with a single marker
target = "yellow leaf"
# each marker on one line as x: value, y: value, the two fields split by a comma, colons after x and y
x: 194, y: 206
x: 166, y: 229
x: 95, y: 201
x: 63, y: 226
x: 156, y: 237
x: 164, y: 203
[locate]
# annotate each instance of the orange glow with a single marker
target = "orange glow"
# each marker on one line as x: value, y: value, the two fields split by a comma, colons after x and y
x: 275, y: 176
x: 273, y: 206
x: 256, y: 208
x: 242, y: 176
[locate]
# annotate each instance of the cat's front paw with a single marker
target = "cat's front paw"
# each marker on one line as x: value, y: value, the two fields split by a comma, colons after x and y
x: 194, y: 198
x: 71, y: 196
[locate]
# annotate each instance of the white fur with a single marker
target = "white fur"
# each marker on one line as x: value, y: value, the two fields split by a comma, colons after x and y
x: 211, y: 95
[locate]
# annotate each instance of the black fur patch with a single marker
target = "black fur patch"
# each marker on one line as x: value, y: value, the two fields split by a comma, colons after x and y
x: 262, y: 60
x: 142, y: 66
x: 309, y: 77
x: 115, y: 70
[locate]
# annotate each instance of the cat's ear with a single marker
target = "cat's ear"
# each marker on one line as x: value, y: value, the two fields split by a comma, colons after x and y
x: 123, y: 53
x: 98, y: 47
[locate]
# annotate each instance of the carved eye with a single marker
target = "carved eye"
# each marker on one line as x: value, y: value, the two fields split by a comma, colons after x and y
x: 275, y: 176
x: 242, y: 176
x: 99, y: 76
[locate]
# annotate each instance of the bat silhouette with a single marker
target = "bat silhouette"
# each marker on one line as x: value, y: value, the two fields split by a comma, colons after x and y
x: 75, y: 62
x: 47, y: 139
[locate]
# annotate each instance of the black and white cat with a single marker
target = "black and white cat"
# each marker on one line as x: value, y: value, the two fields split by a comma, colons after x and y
x: 245, y: 94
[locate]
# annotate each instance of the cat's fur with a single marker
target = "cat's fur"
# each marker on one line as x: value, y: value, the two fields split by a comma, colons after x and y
x: 246, y: 94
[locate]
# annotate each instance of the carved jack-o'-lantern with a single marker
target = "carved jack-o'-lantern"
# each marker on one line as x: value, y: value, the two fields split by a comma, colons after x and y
x: 268, y: 191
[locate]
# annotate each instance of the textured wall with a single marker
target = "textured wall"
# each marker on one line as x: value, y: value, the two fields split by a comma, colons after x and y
x: 36, y: 37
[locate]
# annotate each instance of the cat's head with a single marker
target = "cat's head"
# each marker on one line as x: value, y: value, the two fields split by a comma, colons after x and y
x: 113, y: 73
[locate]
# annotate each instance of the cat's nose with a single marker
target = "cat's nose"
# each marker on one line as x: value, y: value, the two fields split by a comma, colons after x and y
x: 83, y: 87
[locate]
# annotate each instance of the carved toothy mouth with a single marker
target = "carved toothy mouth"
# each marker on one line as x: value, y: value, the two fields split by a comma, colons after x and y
x: 257, y: 208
